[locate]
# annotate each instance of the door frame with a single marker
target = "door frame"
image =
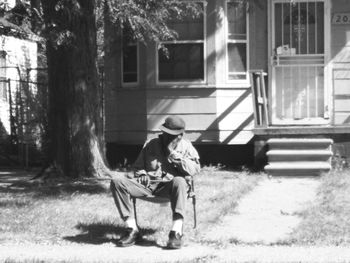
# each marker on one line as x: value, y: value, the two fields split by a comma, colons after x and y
x: 328, y: 102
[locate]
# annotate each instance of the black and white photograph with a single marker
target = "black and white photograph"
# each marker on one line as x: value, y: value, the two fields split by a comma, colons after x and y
x: 168, y: 131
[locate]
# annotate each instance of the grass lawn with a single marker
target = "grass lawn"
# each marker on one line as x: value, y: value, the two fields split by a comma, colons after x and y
x: 327, y: 221
x: 84, y: 211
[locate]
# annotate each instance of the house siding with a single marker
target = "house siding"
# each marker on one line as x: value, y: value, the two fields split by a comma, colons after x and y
x: 340, y: 54
x: 216, y: 112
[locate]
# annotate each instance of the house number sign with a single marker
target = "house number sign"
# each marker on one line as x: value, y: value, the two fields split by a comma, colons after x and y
x: 341, y: 18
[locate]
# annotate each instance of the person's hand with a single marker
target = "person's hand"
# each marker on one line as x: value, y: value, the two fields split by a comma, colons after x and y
x: 172, y: 144
x: 175, y: 157
x: 144, y: 180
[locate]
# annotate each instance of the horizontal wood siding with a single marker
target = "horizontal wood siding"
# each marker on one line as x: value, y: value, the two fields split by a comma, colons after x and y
x: 215, y: 111
x: 224, y: 116
x: 125, y: 118
x: 159, y: 106
x: 196, y: 106
x: 126, y: 137
x: 194, y: 122
x: 214, y: 137
x: 235, y: 116
x: 340, y: 52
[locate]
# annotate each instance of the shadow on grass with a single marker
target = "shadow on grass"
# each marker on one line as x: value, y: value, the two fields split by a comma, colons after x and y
x: 23, y: 182
x: 13, y: 203
x: 99, y: 233
x: 53, y: 190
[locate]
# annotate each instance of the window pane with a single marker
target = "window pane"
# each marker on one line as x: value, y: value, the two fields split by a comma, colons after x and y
x: 302, y: 27
x: 237, y: 57
x: 184, y: 63
x: 188, y: 28
x: 130, y: 64
x: 320, y: 29
x: 236, y: 17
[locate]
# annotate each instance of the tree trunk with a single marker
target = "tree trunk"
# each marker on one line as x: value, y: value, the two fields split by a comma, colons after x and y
x: 75, y: 121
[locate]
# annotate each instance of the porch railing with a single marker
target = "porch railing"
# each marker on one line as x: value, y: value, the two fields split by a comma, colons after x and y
x: 259, y: 94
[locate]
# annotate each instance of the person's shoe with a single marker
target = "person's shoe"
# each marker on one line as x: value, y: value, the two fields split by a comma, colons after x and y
x: 129, y: 238
x: 175, y: 240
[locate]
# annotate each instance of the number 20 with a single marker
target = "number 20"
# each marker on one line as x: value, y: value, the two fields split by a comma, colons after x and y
x: 342, y: 19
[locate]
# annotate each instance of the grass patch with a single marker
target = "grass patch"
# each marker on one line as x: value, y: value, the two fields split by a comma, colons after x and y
x: 327, y: 221
x: 84, y: 212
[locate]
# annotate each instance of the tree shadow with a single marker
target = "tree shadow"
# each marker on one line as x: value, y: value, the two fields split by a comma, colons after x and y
x: 100, y: 233
x: 39, y: 191
x: 14, y: 203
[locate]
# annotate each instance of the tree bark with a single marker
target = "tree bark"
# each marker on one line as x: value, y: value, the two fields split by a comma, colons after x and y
x: 75, y: 120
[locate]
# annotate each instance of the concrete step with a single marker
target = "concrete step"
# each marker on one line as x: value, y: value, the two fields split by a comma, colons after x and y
x: 299, y: 168
x: 299, y: 143
x: 298, y: 155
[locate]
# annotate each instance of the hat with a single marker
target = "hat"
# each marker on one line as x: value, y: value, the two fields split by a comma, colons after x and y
x: 173, y: 125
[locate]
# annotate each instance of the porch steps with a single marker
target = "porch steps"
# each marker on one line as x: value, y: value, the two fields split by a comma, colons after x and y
x: 298, y: 156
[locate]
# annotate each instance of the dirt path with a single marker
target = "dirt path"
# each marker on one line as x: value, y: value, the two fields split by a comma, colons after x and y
x: 266, y: 215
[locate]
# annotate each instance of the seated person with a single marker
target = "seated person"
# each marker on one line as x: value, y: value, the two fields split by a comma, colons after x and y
x: 160, y: 170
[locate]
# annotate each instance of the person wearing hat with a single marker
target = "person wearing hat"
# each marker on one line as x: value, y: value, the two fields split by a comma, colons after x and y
x: 160, y: 170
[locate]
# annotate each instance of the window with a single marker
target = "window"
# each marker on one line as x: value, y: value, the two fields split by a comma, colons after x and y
x: 3, y: 80
x: 237, y: 40
x: 130, y: 58
x: 130, y: 62
x: 184, y: 60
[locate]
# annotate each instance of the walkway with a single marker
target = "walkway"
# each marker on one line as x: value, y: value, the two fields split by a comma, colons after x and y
x: 269, y: 213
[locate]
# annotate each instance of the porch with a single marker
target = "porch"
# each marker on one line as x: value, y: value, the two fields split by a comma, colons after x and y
x: 294, y: 149
x: 300, y: 130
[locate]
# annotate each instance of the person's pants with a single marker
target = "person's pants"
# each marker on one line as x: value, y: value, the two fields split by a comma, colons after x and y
x: 124, y: 188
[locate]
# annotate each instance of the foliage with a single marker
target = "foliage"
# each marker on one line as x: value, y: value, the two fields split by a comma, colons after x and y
x: 147, y: 19
x: 326, y: 221
x: 69, y: 29
x: 339, y: 162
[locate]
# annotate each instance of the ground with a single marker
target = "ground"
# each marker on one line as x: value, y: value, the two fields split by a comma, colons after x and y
x: 255, y: 232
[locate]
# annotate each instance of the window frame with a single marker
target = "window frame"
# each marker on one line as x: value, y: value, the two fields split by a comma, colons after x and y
x: 236, y: 41
x: 137, y: 82
x: 204, y: 41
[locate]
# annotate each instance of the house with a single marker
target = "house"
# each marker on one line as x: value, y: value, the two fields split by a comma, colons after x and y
x: 18, y: 73
x: 302, y: 46
x: 17, y: 55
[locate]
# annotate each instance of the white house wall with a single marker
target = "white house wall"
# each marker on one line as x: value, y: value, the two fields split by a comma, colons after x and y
x: 20, y: 56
